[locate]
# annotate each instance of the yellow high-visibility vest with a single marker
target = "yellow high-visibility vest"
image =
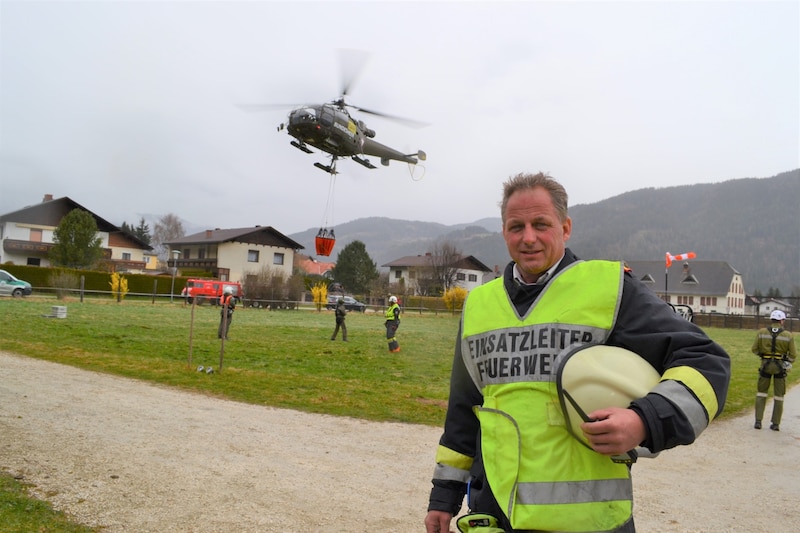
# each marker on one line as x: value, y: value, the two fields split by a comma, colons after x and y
x: 541, y: 476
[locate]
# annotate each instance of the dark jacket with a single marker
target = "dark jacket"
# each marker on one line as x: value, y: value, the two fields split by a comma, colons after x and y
x: 645, y: 325
x: 341, y: 312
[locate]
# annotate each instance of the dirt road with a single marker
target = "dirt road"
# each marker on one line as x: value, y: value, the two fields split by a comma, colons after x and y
x: 134, y: 457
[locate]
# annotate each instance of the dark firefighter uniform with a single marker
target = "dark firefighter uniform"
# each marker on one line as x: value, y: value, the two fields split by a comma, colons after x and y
x: 515, y: 453
x: 392, y: 323
x: 774, y: 345
x: 228, y: 303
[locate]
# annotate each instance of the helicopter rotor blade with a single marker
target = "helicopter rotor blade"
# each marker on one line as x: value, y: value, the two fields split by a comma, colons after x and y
x: 266, y: 107
x: 402, y: 120
x: 351, y: 63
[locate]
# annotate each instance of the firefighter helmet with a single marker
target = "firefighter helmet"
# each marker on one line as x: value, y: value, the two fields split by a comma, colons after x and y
x: 392, y: 299
x: 777, y: 314
x: 597, y: 376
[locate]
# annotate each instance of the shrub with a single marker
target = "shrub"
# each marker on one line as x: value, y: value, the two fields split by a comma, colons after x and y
x: 454, y: 298
x: 63, y: 282
x: 119, y: 286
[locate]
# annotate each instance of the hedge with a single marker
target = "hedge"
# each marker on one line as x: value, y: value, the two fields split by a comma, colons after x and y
x: 39, y: 277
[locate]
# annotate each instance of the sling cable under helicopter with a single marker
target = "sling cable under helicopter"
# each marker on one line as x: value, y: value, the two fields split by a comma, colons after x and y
x: 326, y: 239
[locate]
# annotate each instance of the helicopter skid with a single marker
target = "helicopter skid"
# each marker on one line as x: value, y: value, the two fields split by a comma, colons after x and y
x: 364, y: 162
x: 330, y: 169
x: 301, y: 146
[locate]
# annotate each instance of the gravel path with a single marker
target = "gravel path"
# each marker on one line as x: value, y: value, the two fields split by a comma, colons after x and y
x: 134, y: 457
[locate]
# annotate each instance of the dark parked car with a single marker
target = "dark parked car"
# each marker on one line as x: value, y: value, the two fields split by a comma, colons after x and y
x: 350, y: 303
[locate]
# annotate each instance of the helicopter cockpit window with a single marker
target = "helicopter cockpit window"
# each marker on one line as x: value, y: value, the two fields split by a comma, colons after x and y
x: 305, y: 114
x: 326, y: 118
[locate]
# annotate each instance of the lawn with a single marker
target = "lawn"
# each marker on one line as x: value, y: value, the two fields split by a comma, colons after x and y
x: 276, y: 358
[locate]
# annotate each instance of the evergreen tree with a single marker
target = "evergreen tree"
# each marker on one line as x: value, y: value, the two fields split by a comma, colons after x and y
x: 76, y: 242
x: 355, y: 269
x: 142, y: 232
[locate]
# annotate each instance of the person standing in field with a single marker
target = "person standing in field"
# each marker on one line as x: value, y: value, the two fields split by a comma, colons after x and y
x: 341, y: 313
x: 775, y: 346
x: 506, y: 436
x: 227, y: 303
x: 392, y: 316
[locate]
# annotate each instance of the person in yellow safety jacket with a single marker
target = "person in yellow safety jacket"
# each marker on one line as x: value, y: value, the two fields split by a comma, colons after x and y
x: 392, y: 316
x: 227, y: 304
x: 505, y: 436
x: 776, y: 347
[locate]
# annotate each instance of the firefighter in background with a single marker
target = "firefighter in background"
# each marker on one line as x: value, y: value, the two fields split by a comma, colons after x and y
x: 228, y: 303
x: 341, y: 313
x: 392, y: 323
x: 775, y: 346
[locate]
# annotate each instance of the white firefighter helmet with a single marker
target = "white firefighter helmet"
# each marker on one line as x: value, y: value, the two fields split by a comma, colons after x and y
x: 777, y: 314
x: 392, y: 299
x: 228, y: 289
x: 597, y: 376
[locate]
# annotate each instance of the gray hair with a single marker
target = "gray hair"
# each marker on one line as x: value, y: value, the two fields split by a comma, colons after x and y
x: 523, y: 181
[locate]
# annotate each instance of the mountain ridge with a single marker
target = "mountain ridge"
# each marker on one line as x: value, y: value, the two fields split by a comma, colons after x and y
x: 748, y: 222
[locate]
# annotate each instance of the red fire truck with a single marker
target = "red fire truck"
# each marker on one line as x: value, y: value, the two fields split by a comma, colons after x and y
x: 209, y: 289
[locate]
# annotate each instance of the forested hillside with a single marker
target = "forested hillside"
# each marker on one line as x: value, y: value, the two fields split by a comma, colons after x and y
x: 751, y: 223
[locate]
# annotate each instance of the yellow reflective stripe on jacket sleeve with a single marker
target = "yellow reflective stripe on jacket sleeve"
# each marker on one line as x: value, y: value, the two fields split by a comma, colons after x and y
x: 452, y: 458
x: 692, y: 379
x: 451, y: 465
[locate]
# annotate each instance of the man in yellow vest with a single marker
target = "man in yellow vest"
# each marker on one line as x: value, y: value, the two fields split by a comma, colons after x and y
x: 775, y: 346
x: 505, y: 436
x: 392, y: 317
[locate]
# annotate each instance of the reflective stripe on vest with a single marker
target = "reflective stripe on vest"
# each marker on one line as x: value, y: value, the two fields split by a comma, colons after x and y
x: 542, y: 476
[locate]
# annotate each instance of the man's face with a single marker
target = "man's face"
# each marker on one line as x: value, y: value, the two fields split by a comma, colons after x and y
x: 534, y: 235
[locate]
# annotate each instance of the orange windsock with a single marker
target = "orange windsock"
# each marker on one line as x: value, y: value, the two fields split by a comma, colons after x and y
x: 679, y: 257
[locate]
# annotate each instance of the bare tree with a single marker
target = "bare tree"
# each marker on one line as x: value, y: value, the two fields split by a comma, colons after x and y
x: 444, y: 258
x: 168, y: 228
x: 267, y: 287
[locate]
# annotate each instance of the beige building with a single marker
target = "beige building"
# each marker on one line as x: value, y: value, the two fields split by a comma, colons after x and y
x: 27, y: 237
x: 232, y: 254
x: 415, y: 271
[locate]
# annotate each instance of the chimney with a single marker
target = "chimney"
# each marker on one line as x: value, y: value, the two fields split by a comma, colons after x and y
x: 47, y: 198
x: 209, y: 233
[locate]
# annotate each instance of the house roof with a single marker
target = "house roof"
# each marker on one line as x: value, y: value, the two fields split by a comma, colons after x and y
x: 50, y: 212
x: 264, y: 235
x: 468, y: 262
x: 773, y: 301
x: 311, y: 265
x: 691, y: 277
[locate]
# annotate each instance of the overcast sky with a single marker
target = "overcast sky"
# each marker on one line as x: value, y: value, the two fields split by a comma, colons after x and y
x: 130, y: 108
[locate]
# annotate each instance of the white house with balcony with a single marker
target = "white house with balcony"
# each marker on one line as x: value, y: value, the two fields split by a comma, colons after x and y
x: 27, y: 236
x: 233, y: 254
x: 412, y: 271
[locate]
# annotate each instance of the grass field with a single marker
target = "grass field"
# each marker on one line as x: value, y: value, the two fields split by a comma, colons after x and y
x: 276, y: 358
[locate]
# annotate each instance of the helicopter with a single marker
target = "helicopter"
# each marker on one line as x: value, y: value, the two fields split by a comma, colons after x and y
x: 330, y: 128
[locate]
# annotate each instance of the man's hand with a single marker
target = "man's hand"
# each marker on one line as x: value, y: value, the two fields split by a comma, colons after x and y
x: 614, y: 431
x: 438, y: 522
